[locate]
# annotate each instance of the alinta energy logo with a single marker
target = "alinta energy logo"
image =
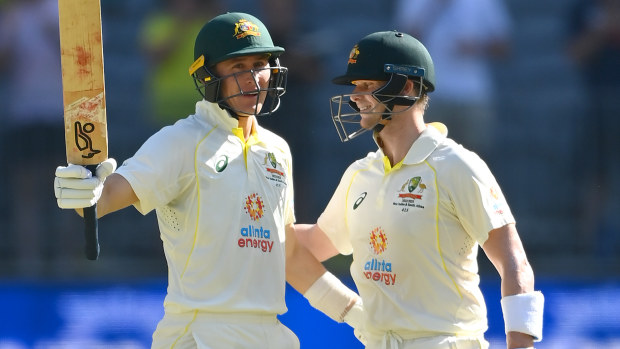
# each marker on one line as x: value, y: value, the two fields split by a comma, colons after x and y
x: 255, y: 236
x: 375, y: 269
x: 498, y: 205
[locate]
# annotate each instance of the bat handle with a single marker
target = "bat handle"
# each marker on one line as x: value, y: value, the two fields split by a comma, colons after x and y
x: 91, y: 233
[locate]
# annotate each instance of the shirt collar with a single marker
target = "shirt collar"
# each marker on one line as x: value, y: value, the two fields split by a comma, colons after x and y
x: 434, y: 134
x: 216, y: 115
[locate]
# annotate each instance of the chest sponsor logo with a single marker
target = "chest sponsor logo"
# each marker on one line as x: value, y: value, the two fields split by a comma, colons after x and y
x: 255, y: 236
x: 376, y: 269
x: 498, y: 205
x: 409, y: 192
x: 359, y: 200
x: 274, y: 169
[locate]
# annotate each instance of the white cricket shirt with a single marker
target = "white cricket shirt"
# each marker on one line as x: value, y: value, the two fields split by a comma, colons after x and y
x: 414, y: 232
x: 222, y: 205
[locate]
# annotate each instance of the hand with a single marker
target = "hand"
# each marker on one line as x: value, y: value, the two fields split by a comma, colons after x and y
x: 519, y: 340
x: 75, y: 186
x: 355, y: 318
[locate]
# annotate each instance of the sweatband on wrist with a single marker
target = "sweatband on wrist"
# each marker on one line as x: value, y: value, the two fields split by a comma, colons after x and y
x: 524, y: 313
x: 331, y: 296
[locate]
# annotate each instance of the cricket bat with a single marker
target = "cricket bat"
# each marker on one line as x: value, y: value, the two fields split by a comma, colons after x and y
x: 83, y: 85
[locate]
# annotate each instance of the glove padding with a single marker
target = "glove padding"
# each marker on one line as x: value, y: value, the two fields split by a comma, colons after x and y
x: 355, y: 318
x: 75, y: 186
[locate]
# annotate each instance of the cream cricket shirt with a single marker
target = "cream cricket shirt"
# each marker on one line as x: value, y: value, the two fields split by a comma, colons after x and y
x: 221, y: 206
x: 414, y: 232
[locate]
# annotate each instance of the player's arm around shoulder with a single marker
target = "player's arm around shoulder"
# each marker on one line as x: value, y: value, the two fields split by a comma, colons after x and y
x: 521, y: 304
x: 322, y: 289
x: 316, y: 241
x: 302, y: 268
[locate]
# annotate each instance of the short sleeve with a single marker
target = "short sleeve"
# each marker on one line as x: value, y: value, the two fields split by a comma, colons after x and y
x: 478, y: 200
x: 333, y: 219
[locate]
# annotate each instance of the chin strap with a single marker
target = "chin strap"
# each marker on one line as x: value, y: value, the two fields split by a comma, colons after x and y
x: 230, y: 111
x: 390, y: 96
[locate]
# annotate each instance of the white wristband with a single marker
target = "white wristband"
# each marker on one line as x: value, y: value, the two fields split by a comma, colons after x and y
x: 331, y: 296
x: 524, y: 313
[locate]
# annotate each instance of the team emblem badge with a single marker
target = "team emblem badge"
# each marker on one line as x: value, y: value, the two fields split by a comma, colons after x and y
x: 353, y: 54
x: 245, y: 28
x: 272, y: 160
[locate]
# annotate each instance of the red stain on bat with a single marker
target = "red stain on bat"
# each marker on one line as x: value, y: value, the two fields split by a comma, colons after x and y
x: 83, y: 59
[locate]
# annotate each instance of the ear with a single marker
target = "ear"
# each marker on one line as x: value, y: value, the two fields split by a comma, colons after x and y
x: 409, y: 88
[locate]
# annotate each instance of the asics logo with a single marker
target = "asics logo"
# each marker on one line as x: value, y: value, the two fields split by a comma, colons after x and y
x: 222, y: 163
x: 359, y: 200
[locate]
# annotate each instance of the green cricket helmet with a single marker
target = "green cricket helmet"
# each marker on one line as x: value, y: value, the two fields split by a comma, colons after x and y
x: 389, y: 56
x: 231, y: 35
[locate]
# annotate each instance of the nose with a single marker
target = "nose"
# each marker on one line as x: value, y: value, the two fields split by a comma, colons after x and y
x: 355, y: 97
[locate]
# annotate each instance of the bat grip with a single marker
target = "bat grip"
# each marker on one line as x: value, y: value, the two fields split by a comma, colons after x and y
x: 91, y: 233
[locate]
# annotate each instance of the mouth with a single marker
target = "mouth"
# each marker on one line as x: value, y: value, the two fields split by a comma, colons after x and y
x: 365, y: 108
x: 250, y: 93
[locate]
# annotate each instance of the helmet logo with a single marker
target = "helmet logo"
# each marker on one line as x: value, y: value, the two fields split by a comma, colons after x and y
x: 244, y: 28
x: 353, y: 54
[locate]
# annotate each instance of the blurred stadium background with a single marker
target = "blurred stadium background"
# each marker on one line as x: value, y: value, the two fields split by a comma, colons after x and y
x: 52, y: 297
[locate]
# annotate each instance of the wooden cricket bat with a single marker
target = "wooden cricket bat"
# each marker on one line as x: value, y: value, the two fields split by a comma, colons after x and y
x: 86, y: 135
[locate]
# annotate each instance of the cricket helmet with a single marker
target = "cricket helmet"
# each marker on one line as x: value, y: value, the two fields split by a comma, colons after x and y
x: 231, y: 35
x: 389, y: 56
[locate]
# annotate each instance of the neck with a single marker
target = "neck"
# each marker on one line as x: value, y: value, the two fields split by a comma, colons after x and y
x: 399, y: 134
x: 247, y: 124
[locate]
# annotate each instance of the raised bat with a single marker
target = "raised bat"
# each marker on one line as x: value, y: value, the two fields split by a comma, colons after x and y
x: 83, y: 85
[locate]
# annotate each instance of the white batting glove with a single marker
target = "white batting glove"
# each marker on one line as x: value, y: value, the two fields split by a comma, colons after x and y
x: 355, y: 318
x: 75, y: 186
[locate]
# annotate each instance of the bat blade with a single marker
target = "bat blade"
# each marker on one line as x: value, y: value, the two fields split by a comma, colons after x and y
x: 83, y: 83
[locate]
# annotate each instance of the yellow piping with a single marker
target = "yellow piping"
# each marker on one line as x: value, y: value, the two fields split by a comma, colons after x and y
x: 443, y: 262
x: 198, y: 198
x: 185, y: 330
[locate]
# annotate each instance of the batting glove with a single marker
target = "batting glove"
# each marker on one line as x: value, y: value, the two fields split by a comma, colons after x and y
x: 75, y: 186
x: 355, y: 319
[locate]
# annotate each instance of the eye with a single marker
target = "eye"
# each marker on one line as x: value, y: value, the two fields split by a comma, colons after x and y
x: 261, y: 64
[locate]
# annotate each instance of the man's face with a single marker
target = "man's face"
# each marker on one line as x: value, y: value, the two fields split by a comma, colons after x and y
x: 242, y: 77
x: 370, y: 108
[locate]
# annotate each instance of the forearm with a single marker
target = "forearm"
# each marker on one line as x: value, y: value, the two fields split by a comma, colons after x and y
x: 315, y: 240
x: 516, y: 281
x: 521, y: 305
x: 309, y: 277
x: 302, y: 268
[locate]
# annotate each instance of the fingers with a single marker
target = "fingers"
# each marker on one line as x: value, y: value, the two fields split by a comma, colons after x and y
x: 76, y: 192
x: 75, y: 203
x: 75, y: 186
x: 72, y: 171
x: 76, y: 183
x: 106, y: 168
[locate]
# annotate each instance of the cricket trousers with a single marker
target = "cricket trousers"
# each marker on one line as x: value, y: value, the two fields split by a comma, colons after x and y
x: 392, y: 340
x: 201, y: 330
